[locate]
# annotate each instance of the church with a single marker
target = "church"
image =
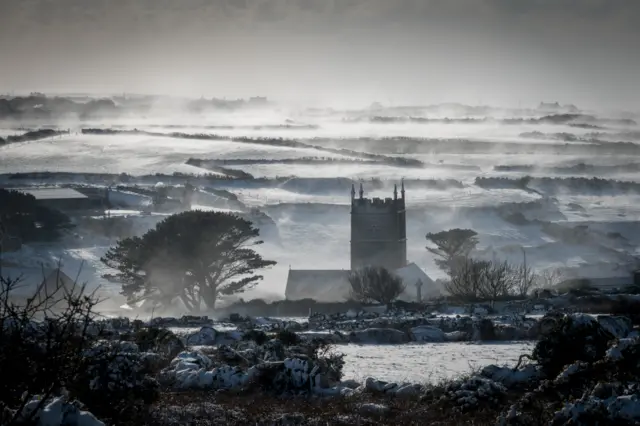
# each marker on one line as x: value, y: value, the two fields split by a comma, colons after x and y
x: 378, y: 238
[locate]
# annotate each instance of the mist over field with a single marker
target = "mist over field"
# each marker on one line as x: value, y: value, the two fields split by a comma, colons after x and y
x: 508, y: 118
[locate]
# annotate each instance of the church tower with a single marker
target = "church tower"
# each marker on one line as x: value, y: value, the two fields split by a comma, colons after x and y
x: 378, y: 230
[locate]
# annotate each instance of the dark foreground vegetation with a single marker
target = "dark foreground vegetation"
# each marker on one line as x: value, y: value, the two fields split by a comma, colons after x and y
x: 582, y: 371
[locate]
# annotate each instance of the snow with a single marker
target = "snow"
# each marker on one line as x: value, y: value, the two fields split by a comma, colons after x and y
x: 426, y: 362
x: 58, y: 412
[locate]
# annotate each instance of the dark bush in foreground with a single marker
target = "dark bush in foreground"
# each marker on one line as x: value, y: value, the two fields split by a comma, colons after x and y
x: 574, y: 338
x: 50, y: 345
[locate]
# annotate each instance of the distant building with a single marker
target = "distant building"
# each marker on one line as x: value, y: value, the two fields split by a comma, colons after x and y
x: 326, y: 285
x: 378, y: 238
x: 63, y: 199
x: 378, y: 231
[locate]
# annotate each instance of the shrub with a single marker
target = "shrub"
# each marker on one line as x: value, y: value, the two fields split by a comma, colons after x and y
x: 258, y: 336
x: 573, y: 338
x: 53, y: 341
x: 288, y: 338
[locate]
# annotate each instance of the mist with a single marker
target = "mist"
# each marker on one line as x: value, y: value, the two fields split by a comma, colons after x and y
x: 335, y: 53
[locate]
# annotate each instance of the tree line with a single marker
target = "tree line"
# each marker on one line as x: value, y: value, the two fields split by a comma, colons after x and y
x: 469, y: 279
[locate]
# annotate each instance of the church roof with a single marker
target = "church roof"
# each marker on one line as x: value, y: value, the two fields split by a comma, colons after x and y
x: 330, y: 285
x: 326, y: 285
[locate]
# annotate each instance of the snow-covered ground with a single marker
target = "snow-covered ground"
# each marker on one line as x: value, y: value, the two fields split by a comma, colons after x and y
x: 426, y: 363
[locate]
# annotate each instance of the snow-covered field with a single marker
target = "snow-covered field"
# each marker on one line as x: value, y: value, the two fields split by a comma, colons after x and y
x: 427, y: 363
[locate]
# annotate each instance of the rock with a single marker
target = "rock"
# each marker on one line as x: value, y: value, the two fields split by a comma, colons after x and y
x: 426, y: 333
x: 510, y: 377
x: 370, y: 409
x: 456, y: 336
x: 205, y: 337
x: 619, y: 327
x: 408, y: 391
x: 379, y: 336
x: 191, y: 360
x: 378, y: 386
x: 58, y: 412
x: 351, y: 384
x: 332, y: 337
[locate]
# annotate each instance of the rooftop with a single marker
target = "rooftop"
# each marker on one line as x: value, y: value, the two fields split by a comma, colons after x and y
x: 53, y: 193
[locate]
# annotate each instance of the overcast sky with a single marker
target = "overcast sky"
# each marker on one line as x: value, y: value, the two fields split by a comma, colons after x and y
x: 338, y: 51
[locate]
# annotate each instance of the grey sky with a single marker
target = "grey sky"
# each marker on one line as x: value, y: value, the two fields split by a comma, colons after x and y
x: 343, y: 51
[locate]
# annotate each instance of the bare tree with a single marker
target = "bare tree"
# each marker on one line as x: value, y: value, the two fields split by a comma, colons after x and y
x: 524, y: 279
x: 550, y: 277
x: 497, y: 280
x: 467, y: 277
x: 375, y: 284
x: 473, y: 279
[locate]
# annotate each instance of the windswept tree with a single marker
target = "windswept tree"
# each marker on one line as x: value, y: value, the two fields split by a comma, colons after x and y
x: 375, y: 284
x: 193, y: 256
x: 451, y: 246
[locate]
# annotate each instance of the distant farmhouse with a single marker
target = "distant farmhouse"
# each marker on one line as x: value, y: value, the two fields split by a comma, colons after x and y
x: 378, y: 238
x: 64, y: 199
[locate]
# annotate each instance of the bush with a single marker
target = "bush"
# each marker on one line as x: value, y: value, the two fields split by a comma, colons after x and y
x: 375, y: 284
x: 50, y: 346
x: 288, y: 338
x: 258, y: 336
x: 573, y: 338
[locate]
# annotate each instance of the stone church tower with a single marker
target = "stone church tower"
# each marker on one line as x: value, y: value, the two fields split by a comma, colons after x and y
x: 378, y: 231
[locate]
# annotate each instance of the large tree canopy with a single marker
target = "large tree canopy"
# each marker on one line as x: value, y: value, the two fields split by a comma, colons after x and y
x: 452, y: 245
x: 194, y: 256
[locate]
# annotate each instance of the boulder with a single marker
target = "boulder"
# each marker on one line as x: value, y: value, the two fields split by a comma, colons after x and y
x: 205, y: 337
x: 456, y: 336
x: 371, y: 409
x: 510, y: 377
x: 426, y: 333
x: 408, y: 391
x: 619, y: 327
x: 379, y: 336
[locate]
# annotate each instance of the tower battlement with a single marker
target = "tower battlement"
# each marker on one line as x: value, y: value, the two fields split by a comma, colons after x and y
x: 376, y: 202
